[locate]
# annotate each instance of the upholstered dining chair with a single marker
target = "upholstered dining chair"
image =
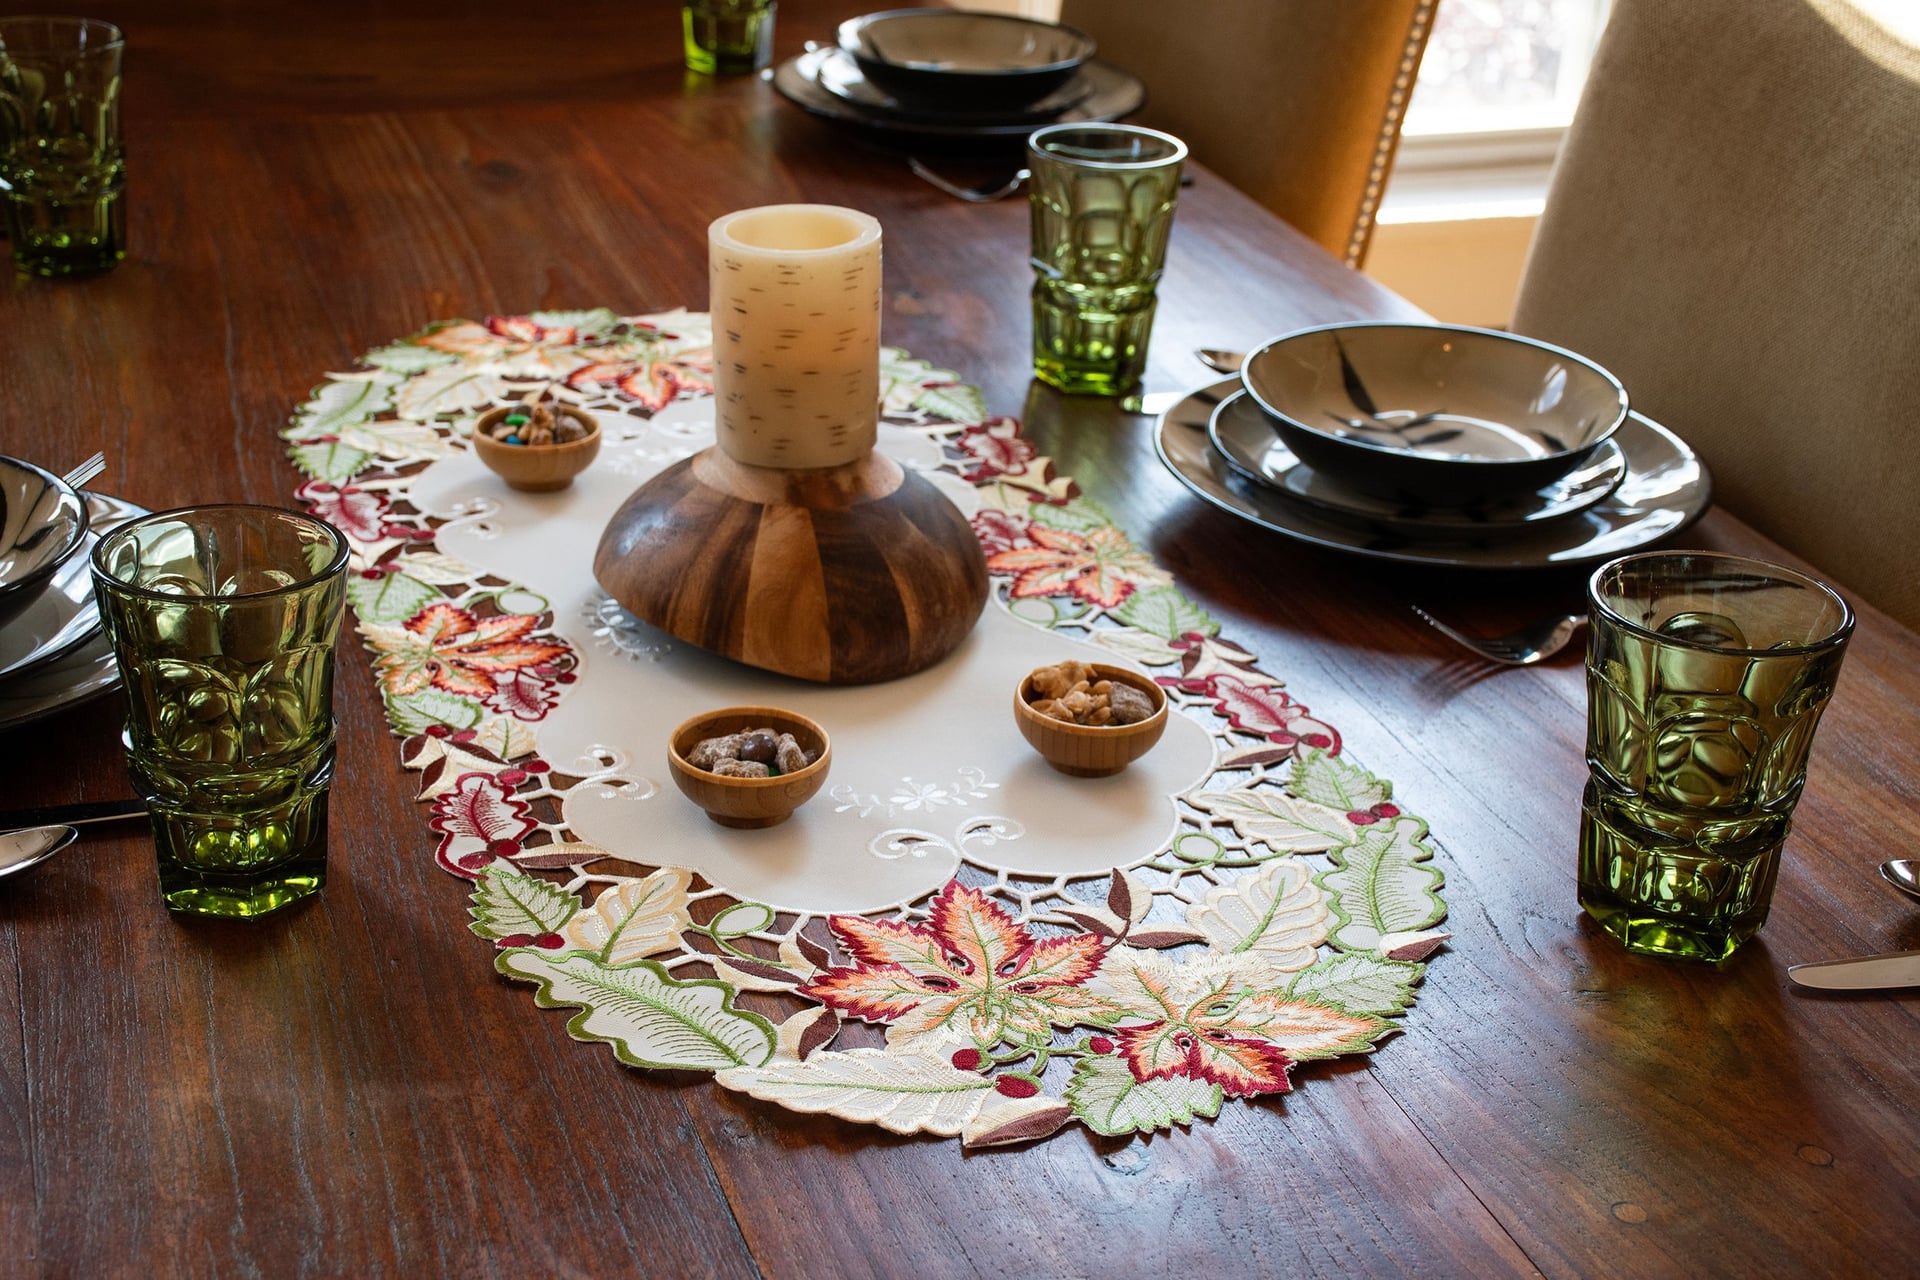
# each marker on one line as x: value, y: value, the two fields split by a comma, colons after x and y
x: 1296, y: 102
x: 1734, y: 229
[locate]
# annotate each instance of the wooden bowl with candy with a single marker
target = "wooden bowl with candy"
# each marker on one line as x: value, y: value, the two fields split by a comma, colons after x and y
x: 718, y: 762
x: 539, y: 447
x: 1089, y: 719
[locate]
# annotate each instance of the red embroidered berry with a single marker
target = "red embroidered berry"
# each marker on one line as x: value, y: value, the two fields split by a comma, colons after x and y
x: 1100, y: 1044
x: 512, y: 777
x: 514, y: 940
x: 1317, y: 740
x: 1284, y: 739
x: 437, y: 731
x: 566, y: 677
x: 319, y: 487
x: 1361, y: 818
x: 1015, y: 1086
x: 421, y: 535
x: 466, y: 735
x: 373, y: 575
x: 1387, y: 810
x: 503, y: 848
x: 549, y: 942
x: 967, y: 1059
x: 537, y: 766
x: 475, y: 862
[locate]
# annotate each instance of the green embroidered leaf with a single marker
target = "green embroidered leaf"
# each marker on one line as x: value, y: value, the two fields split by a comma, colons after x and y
x: 904, y: 1092
x: 406, y: 357
x: 437, y: 567
x: 1143, y: 647
x: 1277, y: 913
x: 1166, y: 613
x: 650, y: 1019
x: 411, y: 713
x: 399, y: 440
x: 1075, y: 517
x: 591, y: 324
x: 1359, y: 984
x: 1331, y: 781
x: 509, y: 902
x: 1277, y: 819
x: 635, y: 918
x: 1109, y: 1100
x: 506, y: 737
x: 339, y: 404
x: 333, y: 462
x: 391, y: 597
x: 449, y: 389
x: 957, y: 403
x: 1383, y: 883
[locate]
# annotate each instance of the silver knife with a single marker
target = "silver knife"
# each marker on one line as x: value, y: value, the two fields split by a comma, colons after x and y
x: 1868, y: 973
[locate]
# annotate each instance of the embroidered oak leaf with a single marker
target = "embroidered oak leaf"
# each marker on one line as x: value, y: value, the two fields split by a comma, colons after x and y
x: 448, y: 648
x: 971, y: 974
x: 1100, y: 566
x: 1221, y: 1019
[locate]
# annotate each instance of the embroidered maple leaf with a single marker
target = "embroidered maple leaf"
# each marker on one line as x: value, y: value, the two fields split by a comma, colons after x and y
x: 1101, y: 567
x: 651, y: 378
x: 1220, y: 1018
x: 972, y: 973
x: 445, y: 646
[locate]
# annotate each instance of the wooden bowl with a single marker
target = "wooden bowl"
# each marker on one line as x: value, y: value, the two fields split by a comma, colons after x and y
x: 536, y: 468
x: 1091, y: 751
x: 748, y: 802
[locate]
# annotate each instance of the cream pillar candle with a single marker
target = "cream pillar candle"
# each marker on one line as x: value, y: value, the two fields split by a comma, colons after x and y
x: 796, y: 334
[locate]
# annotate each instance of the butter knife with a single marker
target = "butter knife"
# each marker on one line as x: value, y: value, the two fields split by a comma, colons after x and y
x: 1867, y: 973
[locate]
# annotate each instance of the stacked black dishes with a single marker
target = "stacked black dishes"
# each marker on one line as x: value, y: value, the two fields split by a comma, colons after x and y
x: 1434, y: 444
x: 950, y: 73
x: 51, y: 648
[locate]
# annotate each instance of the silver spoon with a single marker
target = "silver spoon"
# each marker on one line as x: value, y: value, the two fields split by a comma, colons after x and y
x: 1903, y: 874
x: 1227, y: 362
x: 22, y: 851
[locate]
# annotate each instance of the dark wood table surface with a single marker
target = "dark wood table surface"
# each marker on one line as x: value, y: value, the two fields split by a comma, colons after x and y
x: 351, y: 1090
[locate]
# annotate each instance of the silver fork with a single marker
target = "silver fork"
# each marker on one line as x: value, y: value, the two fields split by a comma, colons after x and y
x: 1521, y: 648
x: 78, y: 477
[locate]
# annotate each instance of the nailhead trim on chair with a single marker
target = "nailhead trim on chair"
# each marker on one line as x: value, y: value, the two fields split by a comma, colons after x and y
x: 1390, y: 131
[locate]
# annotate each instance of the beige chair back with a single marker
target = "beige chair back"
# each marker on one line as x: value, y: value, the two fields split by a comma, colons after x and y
x: 1296, y: 102
x: 1734, y: 230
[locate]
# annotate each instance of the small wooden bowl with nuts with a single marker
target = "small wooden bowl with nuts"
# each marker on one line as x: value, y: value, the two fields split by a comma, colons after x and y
x: 717, y: 762
x: 1071, y: 714
x: 544, y: 451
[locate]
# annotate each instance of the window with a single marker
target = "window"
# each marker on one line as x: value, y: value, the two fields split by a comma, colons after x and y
x: 1497, y: 89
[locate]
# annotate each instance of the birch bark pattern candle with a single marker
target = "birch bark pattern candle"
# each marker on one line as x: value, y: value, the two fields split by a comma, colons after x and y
x: 796, y: 334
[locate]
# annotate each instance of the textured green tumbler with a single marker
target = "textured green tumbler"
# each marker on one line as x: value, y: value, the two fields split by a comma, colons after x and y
x: 223, y: 620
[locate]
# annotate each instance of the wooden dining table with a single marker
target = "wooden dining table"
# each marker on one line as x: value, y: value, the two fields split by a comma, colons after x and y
x: 349, y: 1089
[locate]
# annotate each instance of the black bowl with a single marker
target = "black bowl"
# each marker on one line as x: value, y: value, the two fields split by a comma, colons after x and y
x: 42, y: 522
x: 956, y: 59
x: 1433, y: 413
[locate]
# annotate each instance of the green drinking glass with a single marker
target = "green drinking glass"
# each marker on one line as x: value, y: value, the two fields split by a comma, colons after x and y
x: 1102, y: 199
x: 727, y: 37
x: 1706, y: 677
x: 62, y: 166
x: 223, y: 621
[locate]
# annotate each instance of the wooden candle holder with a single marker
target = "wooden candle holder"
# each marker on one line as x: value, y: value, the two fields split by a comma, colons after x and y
x: 843, y: 575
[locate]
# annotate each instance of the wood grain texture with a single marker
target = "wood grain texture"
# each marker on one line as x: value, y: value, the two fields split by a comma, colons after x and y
x: 841, y: 575
x: 350, y: 1089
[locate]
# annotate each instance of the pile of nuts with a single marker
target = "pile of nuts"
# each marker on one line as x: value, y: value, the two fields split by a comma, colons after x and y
x: 537, y: 424
x: 753, y: 753
x: 1073, y: 692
